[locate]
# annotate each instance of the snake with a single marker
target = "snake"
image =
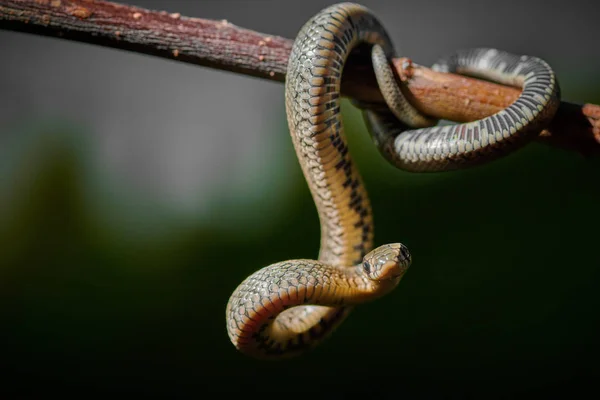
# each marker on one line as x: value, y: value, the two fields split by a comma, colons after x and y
x: 289, y: 307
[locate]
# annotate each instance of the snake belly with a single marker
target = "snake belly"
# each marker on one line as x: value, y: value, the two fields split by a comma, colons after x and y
x: 449, y: 147
x: 289, y: 307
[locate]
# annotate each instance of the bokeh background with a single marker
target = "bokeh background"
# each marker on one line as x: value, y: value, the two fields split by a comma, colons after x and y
x: 136, y: 193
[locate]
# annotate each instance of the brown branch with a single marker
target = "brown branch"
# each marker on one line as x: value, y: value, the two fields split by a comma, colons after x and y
x: 222, y: 45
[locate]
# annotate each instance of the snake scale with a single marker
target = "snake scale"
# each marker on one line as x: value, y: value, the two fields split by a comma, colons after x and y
x: 289, y: 307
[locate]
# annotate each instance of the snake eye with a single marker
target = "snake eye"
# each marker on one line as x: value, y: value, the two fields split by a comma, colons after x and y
x: 366, y: 266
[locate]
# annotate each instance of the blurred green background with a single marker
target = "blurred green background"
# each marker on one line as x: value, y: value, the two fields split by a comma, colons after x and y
x: 503, y: 291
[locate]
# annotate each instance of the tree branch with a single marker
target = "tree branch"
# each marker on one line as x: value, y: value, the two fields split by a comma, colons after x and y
x: 222, y: 45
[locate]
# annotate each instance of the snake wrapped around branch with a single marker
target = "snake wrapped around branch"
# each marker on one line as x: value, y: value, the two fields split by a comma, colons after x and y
x: 289, y: 307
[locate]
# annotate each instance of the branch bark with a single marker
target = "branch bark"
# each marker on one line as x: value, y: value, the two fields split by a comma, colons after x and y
x: 222, y: 45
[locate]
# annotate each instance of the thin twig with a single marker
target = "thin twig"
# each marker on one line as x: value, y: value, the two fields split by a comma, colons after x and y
x: 222, y: 45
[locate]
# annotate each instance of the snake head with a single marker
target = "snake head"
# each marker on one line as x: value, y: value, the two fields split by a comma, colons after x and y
x: 387, y: 262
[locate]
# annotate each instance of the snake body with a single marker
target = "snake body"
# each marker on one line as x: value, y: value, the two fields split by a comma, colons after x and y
x: 289, y: 307
x: 449, y: 147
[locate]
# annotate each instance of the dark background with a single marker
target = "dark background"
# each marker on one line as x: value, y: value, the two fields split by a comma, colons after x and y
x: 136, y: 193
